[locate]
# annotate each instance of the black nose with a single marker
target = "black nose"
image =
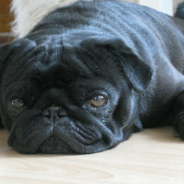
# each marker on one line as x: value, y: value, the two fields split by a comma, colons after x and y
x: 54, y: 113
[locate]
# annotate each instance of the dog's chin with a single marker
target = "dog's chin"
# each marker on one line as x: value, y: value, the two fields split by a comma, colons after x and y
x: 61, y: 141
x: 65, y: 136
x: 54, y: 145
x: 66, y: 144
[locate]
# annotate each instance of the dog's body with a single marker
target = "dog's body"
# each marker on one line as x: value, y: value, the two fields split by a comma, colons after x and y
x: 90, y: 74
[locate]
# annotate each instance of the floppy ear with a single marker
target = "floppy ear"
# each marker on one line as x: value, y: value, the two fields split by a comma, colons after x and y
x: 18, y: 48
x: 137, y: 72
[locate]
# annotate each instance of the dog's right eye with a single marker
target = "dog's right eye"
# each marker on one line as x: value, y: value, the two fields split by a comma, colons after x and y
x: 98, y: 101
x: 17, y: 103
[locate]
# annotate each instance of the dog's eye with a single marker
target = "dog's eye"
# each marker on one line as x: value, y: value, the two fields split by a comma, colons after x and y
x: 17, y: 103
x: 98, y: 101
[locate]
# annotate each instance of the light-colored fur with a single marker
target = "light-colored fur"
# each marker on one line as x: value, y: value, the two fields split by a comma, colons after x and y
x: 29, y: 12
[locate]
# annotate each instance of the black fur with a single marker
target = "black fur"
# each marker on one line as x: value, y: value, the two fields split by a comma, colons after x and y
x: 180, y: 11
x: 129, y: 54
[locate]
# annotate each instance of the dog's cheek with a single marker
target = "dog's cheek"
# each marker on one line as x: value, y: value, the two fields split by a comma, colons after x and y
x: 4, y: 118
x: 7, y: 116
x: 126, y: 111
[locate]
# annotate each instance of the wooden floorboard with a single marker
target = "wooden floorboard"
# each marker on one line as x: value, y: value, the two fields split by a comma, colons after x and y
x: 150, y: 157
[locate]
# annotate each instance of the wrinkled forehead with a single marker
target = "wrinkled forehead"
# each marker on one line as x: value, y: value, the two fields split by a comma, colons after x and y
x: 57, y: 60
x: 47, y: 65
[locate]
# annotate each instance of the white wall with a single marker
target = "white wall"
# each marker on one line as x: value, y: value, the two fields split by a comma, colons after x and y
x: 165, y: 6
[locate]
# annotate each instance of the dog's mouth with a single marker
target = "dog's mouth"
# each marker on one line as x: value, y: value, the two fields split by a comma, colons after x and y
x: 79, y: 142
x: 65, y: 137
x: 68, y: 140
x: 65, y: 141
x: 55, y: 145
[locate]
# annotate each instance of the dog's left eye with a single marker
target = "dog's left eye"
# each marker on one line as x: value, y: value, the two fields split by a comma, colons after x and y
x: 17, y: 103
x: 98, y: 101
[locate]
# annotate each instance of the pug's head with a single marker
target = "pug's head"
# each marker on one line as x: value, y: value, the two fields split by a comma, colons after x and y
x: 64, y: 94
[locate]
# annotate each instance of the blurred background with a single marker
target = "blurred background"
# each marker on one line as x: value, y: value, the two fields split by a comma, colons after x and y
x: 5, y: 19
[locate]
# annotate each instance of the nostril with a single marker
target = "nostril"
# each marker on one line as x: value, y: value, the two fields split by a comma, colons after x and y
x: 46, y: 112
x: 62, y: 113
x: 54, y: 112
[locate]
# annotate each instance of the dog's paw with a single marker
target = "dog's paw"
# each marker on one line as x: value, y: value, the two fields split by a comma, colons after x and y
x: 179, y: 125
x: 138, y: 126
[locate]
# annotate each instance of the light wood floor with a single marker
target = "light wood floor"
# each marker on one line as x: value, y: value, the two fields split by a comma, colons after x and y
x: 150, y: 157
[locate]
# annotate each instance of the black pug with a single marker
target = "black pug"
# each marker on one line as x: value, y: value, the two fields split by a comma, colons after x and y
x: 91, y: 73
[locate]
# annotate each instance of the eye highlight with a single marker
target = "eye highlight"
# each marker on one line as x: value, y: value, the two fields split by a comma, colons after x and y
x: 17, y: 103
x: 98, y: 101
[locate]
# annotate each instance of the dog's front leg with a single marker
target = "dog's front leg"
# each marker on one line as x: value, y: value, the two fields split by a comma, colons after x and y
x: 178, y: 123
x: 136, y: 127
